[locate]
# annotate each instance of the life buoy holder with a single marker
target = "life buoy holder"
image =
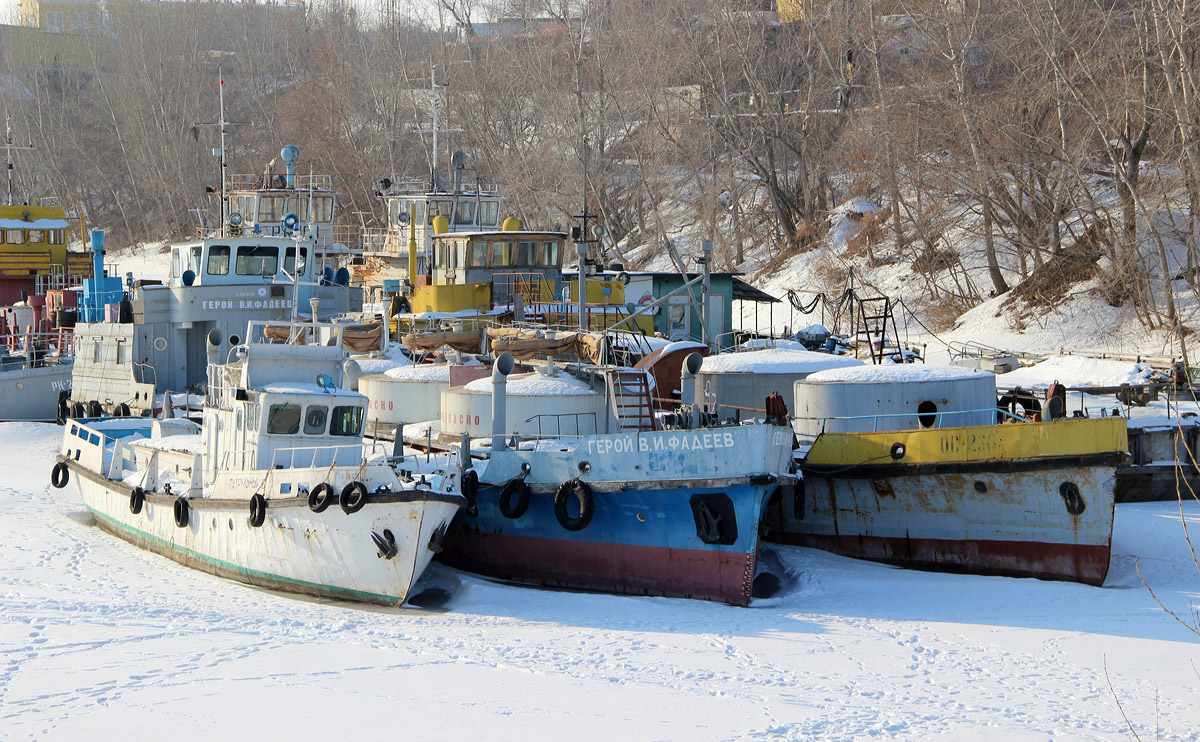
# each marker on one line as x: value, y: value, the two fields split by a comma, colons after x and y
x: 470, y: 490
x: 514, y: 487
x: 354, y: 496
x: 580, y: 491
x: 60, y: 475
x: 137, y: 498
x: 181, y: 512
x: 258, y: 510
x: 320, y: 497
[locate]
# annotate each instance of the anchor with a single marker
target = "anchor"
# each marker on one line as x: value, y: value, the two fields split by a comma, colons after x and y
x: 385, y: 543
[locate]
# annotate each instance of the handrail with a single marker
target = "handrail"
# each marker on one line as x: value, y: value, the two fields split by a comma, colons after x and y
x: 939, y: 416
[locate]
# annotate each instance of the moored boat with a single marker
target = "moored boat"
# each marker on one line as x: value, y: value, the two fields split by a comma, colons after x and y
x: 916, y: 466
x: 277, y: 489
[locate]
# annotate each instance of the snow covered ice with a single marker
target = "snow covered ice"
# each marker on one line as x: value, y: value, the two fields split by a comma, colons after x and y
x: 100, y: 640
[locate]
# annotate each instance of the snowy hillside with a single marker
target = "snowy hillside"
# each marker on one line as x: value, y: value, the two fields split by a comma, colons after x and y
x: 102, y: 641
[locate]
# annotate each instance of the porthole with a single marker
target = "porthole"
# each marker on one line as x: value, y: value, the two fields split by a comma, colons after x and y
x: 927, y: 414
x: 160, y: 344
x: 20, y: 386
x: 231, y: 524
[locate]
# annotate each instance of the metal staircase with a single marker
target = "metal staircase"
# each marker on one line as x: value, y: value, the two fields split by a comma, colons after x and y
x: 629, y: 390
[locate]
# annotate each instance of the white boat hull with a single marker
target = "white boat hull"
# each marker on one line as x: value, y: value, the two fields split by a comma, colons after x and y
x: 329, y: 554
x: 31, y: 394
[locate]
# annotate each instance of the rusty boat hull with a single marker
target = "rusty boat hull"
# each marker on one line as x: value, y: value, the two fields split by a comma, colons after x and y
x: 1024, y: 500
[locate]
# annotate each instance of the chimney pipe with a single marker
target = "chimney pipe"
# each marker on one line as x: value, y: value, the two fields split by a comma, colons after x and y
x: 687, y: 382
x: 500, y: 371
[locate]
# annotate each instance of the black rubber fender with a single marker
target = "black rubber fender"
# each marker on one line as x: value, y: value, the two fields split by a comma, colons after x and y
x: 258, y: 510
x: 78, y: 410
x: 354, y: 496
x: 182, y: 511
x: 470, y: 490
x: 508, y: 508
x: 95, y: 409
x: 137, y: 498
x: 320, y: 497
x: 122, y: 410
x: 581, y: 492
x: 60, y: 475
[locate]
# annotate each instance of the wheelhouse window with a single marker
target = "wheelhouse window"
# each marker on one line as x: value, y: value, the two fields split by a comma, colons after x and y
x: 441, y: 208
x: 550, y: 253
x: 489, y: 213
x: 298, y: 205
x: 56, y: 236
x: 37, y: 235
x: 289, y: 261
x: 477, y: 256
x: 193, y: 259
x: 120, y: 352
x: 315, y: 418
x: 96, y: 350
x: 218, y: 260
x: 270, y: 209
x: 14, y: 236
x: 501, y: 254
x: 322, y: 208
x: 527, y: 254
x: 465, y: 213
x: 261, y: 260
x: 283, y: 419
x: 347, y: 420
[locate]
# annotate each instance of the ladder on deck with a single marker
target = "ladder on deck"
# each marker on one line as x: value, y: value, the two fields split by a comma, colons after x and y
x: 629, y: 390
x: 874, y: 314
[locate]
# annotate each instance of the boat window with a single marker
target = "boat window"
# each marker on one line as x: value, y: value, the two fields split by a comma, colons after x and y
x: 261, y: 260
x: 314, y: 419
x: 420, y: 216
x: 322, y: 208
x: 14, y: 236
x: 442, y: 255
x: 176, y: 271
x: 289, y: 260
x: 270, y: 209
x: 465, y: 214
x: 501, y: 254
x: 477, y: 257
x: 193, y: 259
x: 37, y: 235
x: 255, y: 411
x: 441, y: 208
x: 120, y: 352
x: 298, y: 205
x: 56, y: 236
x: 460, y: 253
x: 218, y: 260
x: 240, y: 419
x: 394, y: 208
x: 347, y: 420
x: 526, y: 254
x: 96, y: 350
x: 283, y: 419
x: 489, y: 212
x: 927, y: 414
x: 550, y: 253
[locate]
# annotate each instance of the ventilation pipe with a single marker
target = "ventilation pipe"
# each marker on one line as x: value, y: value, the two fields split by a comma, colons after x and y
x: 214, y: 346
x: 412, y: 246
x: 500, y: 371
x: 687, y: 384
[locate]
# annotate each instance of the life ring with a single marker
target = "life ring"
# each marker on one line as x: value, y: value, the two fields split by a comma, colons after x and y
x: 181, y: 512
x: 470, y: 490
x: 354, y: 496
x: 258, y: 510
x: 516, y: 509
x: 137, y: 498
x: 95, y: 409
x: 290, y: 222
x: 320, y: 497
x: 60, y: 475
x: 582, y: 492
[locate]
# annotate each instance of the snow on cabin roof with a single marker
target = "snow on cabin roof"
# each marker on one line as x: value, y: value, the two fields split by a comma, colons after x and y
x: 184, y: 442
x: 535, y: 384
x: 300, y: 388
x: 896, y: 372
x: 775, y: 361
x: 34, y: 224
x: 421, y: 372
x: 501, y: 233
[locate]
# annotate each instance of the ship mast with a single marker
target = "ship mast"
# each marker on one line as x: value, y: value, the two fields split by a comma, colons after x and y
x: 8, y: 150
x: 224, y: 125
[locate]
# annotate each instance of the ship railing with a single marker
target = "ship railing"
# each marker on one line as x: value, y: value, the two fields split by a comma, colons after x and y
x: 267, y: 332
x: 378, y: 241
x: 44, y: 348
x: 576, y: 419
x: 307, y: 457
x: 939, y: 418
x: 56, y: 281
